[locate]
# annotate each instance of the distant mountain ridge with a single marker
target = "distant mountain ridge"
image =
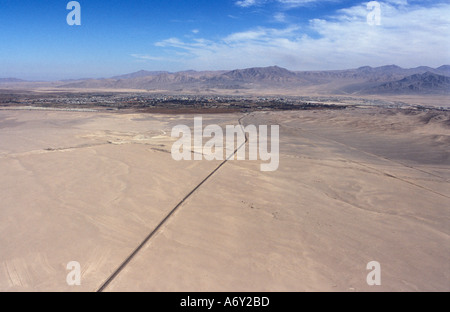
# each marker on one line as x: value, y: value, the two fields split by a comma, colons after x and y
x: 389, y: 79
x: 418, y: 83
x: 9, y: 80
x: 139, y: 74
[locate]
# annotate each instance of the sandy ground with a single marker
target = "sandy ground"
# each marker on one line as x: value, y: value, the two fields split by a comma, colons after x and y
x: 353, y: 186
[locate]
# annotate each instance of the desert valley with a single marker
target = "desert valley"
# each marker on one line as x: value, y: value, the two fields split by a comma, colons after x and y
x: 87, y: 176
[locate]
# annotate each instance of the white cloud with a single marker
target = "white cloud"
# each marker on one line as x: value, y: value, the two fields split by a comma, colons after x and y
x: 280, y: 17
x: 408, y: 36
x: 299, y: 2
x: 245, y: 3
x: 396, y: 2
x: 148, y: 57
x: 261, y: 34
x: 286, y: 3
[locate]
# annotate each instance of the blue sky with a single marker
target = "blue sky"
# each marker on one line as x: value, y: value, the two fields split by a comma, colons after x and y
x: 117, y: 37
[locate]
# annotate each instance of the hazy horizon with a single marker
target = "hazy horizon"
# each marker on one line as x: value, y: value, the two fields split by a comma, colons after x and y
x: 187, y: 70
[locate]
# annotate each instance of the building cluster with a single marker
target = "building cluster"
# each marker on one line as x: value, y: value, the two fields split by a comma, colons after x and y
x: 149, y: 101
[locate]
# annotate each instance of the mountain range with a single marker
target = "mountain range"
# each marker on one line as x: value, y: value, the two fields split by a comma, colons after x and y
x: 390, y: 79
x: 10, y: 80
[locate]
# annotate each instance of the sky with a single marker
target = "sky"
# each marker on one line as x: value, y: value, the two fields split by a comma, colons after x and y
x: 119, y: 37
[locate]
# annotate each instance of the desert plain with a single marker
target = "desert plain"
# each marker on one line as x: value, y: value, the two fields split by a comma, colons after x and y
x: 353, y: 186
